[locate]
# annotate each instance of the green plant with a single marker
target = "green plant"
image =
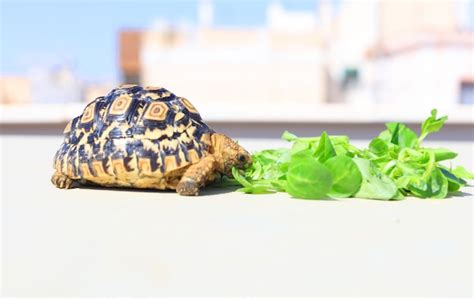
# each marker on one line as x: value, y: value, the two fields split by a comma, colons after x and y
x: 394, y: 165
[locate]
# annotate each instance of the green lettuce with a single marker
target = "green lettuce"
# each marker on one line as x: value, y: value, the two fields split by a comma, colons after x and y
x: 394, y: 165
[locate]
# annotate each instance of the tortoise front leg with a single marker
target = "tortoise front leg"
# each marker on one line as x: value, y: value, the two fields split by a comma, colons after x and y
x: 196, y: 176
x: 61, y: 181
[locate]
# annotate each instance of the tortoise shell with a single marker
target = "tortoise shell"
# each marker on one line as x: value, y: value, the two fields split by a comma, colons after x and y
x: 132, y: 137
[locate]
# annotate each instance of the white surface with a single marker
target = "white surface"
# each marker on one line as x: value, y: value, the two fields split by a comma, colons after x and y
x: 281, y: 111
x: 97, y: 242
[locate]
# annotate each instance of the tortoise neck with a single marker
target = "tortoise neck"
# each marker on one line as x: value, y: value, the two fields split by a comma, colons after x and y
x: 217, y: 148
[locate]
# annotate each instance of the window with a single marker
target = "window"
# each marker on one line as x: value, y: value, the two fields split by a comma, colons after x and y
x: 350, y: 77
x: 467, y: 92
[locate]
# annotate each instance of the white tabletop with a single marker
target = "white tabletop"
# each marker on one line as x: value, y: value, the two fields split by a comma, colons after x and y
x: 97, y: 242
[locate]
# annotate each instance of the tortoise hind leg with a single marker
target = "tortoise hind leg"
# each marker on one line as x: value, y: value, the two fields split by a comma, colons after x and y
x: 61, y: 181
x: 196, y: 176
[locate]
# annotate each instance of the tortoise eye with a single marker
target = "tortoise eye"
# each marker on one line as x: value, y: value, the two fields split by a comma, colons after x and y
x: 242, y: 158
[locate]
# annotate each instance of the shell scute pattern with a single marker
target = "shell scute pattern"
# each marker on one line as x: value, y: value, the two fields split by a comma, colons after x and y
x: 147, y: 131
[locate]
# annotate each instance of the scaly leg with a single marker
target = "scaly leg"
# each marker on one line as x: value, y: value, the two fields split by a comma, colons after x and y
x: 61, y: 181
x: 196, y: 176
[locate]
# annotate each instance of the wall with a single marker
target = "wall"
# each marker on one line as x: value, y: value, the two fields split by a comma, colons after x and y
x: 429, y: 75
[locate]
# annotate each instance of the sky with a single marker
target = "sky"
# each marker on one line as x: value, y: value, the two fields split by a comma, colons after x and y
x: 83, y: 33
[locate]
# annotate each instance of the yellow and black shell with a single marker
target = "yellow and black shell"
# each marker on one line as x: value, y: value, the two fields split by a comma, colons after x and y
x: 132, y: 134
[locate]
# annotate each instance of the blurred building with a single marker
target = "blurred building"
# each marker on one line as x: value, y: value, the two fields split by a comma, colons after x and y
x: 93, y: 91
x: 418, y: 52
x: 15, y: 90
x: 129, y: 60
x: 429, y: 70
x: 57, y: 84
x: 282, y: 61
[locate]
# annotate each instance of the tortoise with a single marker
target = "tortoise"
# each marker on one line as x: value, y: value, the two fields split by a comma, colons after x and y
x: 144, y: 138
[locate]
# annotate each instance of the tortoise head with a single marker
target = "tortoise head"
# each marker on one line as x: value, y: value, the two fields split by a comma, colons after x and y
x: 229, y: 154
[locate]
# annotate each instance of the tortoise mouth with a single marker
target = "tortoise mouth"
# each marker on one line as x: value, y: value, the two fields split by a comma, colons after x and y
x: 241, y: 165
x: 245, y: 162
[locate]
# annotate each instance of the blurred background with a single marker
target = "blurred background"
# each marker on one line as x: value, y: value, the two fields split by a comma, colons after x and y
x: 253, y: 68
